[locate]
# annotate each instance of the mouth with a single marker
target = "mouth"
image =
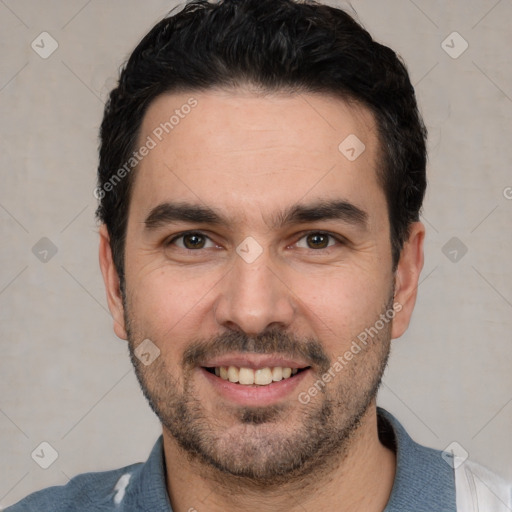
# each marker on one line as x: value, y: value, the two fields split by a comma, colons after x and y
x: 254, y: 377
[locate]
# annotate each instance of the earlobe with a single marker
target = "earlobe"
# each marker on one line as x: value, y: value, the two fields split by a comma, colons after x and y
x: 407, y: 278
x: 112, y: 283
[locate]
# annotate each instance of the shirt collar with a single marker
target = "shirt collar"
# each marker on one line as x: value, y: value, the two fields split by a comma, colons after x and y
x: 424, y: 481
x: 149, y: 491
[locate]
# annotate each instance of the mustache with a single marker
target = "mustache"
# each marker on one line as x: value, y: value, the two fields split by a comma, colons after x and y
x: 269, y: 342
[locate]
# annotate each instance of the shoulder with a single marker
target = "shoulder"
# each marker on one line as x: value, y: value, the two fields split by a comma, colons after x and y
x: 127, y: 489
x: 478, y: 488
x: 94, y: 492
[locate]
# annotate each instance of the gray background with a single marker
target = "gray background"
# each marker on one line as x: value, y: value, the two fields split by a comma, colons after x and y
x: 66, y: 379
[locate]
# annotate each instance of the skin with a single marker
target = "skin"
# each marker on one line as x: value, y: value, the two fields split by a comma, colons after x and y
x: 251, y: 156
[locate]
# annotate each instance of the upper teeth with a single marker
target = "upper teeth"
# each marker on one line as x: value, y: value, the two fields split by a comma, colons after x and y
x: 248, y: 376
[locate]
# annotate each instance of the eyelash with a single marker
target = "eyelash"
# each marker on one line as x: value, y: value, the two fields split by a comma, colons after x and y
x: 338, y: 239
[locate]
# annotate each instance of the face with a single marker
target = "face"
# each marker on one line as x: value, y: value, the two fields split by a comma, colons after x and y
x: 257, y: 253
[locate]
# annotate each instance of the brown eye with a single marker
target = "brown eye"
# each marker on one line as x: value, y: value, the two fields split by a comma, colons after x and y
x: 317, y: 240
x: 192, y: 240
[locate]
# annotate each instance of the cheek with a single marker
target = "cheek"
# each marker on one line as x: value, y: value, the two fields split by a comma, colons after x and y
x: 344, y: 301
x: 166, y: 302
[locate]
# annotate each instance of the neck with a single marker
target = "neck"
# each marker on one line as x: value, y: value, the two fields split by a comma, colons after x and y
x: 359, y: 479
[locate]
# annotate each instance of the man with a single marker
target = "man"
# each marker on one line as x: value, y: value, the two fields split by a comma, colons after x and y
x: 262, y: 170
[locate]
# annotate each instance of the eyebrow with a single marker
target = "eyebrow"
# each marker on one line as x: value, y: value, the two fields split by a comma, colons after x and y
x: 169, y: 212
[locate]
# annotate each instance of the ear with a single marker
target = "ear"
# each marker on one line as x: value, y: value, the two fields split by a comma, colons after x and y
x: 112, y: 284
x: 407, y: 277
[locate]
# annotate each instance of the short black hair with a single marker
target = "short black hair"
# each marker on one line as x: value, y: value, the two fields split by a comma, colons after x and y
x: 274, y: 45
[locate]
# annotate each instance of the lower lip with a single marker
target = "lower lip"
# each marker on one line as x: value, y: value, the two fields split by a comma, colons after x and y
x: 254, y: 395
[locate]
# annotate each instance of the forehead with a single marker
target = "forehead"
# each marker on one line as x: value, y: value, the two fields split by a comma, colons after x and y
x: 247, y: 151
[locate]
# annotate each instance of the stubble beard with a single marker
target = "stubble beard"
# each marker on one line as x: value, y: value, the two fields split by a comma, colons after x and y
x: 261, y: 446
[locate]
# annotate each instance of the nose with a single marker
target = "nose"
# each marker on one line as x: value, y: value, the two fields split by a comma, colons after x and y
x: 254, y: 298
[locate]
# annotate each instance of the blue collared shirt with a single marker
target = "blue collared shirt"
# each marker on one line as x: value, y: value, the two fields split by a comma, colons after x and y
x: 424, y: 482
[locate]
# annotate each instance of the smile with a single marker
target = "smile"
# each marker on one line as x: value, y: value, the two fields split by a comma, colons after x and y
x: 249, y: 376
